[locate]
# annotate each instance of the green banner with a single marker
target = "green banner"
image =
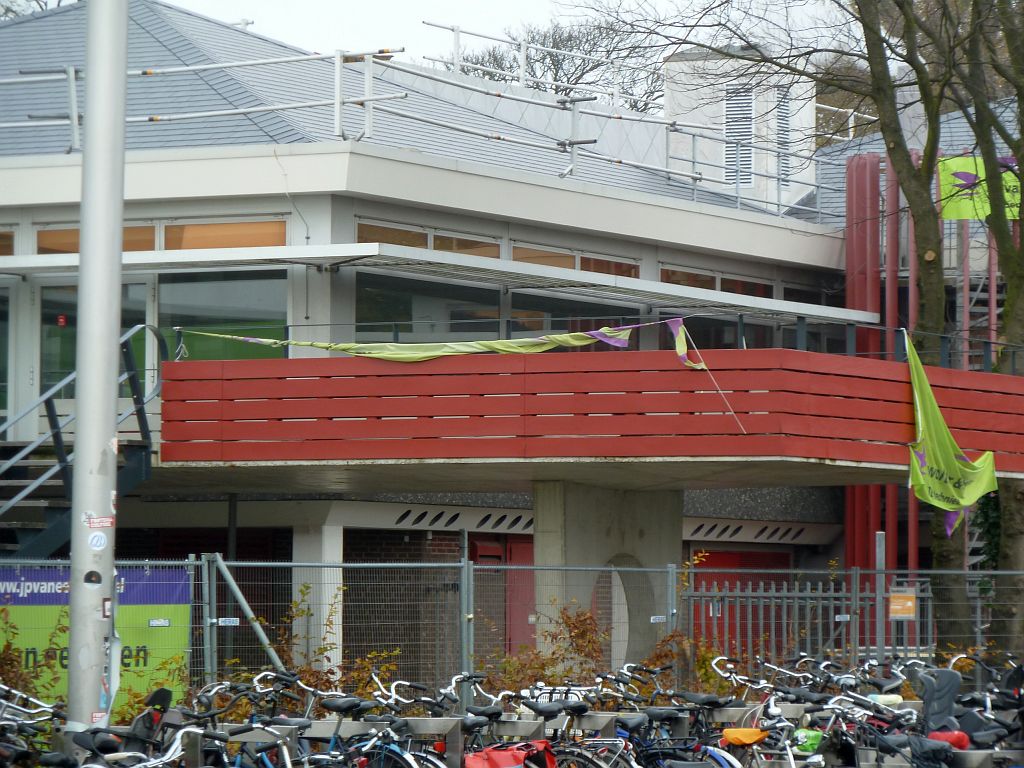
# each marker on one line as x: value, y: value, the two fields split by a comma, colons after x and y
x: 153, y: 620
x: 964, y: 192
x: 940, y: 473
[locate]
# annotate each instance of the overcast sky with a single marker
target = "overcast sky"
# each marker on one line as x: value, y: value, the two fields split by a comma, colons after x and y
x: 325, y: 25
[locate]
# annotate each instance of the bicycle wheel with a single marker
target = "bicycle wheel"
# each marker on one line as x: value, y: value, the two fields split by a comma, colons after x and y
x: 576, y: 758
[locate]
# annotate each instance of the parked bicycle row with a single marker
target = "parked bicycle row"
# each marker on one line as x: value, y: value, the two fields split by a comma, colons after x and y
x: 801, y: 712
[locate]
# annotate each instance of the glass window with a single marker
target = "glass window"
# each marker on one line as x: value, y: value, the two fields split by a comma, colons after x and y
x: 142, y: 238
x: 239, y: 303
x: 6, y: 243
x: 533, y: 315
x: 466, y: 245
x: 805, y: 295
x: 59, y: 320
x: 375, y: 233
x: 684, y: 277
x: 747, y: 287
x: 713, y: 333
x: 399, y: 309
x: 609, y: 267
x: 540, y: 256
x: 228, y: 234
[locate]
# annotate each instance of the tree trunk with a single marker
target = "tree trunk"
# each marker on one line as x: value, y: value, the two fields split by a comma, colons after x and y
x: 954, y: 617
x: 1007, y: 630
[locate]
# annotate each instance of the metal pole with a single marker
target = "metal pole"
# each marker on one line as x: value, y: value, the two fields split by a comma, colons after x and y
x: 524, y: 48
x: 672, y: 598
x: 76, y: 138
x: 574, y: 126
x: 456, y: 50
x: 98, y: 362
x: 466, y: 628
x: 244, y: 605
x: 880, y: 593
x: 367, y: 92
x: 339, y: 60
x: 209, y: 630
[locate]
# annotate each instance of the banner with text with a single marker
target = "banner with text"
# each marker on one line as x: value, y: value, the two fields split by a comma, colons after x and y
x: 153, y: 620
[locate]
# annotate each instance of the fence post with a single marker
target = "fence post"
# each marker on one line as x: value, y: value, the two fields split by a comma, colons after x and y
x: 671, y: 597
x: 209, y: 592
x: 466, y: 628
x: 855, y: 612
x: 880, y: 593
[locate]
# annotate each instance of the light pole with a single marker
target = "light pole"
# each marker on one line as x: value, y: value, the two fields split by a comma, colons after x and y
x: 91, y: 684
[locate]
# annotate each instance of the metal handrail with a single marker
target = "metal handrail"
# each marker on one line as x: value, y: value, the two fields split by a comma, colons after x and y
x: 139, y: 400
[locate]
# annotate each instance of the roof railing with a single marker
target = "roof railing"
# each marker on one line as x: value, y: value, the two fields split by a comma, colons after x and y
x: 573, y: 142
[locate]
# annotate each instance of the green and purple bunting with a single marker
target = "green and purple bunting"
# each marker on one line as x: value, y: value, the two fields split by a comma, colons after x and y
x: 940, y: 473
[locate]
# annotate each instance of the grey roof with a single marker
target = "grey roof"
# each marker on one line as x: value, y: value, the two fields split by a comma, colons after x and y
x: 162, y: 35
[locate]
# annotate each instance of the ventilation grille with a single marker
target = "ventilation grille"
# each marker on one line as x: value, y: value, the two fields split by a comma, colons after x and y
x: 758, y: 531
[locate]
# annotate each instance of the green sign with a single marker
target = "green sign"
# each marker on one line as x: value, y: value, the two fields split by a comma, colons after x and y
x: 940, y: 473
x: 153, y: 621
x: 964, y: 191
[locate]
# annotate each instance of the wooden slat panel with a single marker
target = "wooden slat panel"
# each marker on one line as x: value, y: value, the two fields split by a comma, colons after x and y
x: 791, y: 404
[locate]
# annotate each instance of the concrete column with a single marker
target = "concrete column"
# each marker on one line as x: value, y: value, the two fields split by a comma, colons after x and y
x: 317, y: 591
x: 590, y: 526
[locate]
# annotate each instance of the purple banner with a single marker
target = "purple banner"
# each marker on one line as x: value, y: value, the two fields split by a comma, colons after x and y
x: 136, y: 585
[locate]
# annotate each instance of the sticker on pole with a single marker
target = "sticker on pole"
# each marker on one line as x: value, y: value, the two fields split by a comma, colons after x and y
x: 100, y: 522
x: 659, y: 619
x: 97, y: 541
x: 159, y: 622
x: 229, y: 621
x: 97, y: 717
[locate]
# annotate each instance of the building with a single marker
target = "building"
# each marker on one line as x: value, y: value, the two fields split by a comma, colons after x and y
x: 408, y: 205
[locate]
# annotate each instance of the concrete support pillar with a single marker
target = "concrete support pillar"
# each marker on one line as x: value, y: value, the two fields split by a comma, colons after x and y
x: 579, y: 525
x: 317, y: 591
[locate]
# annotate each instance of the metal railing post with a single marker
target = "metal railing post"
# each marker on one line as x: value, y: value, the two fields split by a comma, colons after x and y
x: 209, y: 596
x: 367, y: 93
x: 456, y: 50
x: 76, y: 134
x: 574, y: 126
x: 741, y: 333
x: 880, y: 593
x: 671, y: 597
x: 466, y: 628
x: 851, y: 339
x: 218, y: 561
x: 339, y: 63
x: 855, y: 612
x: 801, y: 333
x: 524, y: 50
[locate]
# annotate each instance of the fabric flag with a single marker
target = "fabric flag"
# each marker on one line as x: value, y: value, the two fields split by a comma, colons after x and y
x: 414, y: 353
x: 964, y: 192
x: 940, y: 473
x: 675, y: 325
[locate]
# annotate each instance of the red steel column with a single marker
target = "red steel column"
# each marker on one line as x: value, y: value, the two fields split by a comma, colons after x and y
x: 872, y: 224
x: 965, y: 294
x: 993, y: 286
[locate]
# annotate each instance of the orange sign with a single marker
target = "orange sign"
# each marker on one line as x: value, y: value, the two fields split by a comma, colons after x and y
x: 902, y: 603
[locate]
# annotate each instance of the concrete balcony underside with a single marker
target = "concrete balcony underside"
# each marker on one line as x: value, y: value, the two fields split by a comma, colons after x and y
x: 629, y: 420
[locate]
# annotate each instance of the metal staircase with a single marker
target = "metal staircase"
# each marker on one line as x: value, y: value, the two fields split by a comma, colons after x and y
x: 35, y: 476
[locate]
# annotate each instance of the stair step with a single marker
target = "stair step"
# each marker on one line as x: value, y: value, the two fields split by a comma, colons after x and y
x: 23, y: 482
x: 55, y: 503
x: 22, y: 526
x: 9, y: 547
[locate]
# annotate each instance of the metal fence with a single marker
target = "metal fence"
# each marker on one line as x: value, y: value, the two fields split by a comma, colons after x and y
x: 181, y: 622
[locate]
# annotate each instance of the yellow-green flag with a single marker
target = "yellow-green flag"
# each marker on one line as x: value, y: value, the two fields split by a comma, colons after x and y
x: 964, y: 191
x: 940, y: 473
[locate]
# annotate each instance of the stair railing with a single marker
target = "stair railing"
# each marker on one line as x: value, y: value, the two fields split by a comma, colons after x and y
x: 57, y: 425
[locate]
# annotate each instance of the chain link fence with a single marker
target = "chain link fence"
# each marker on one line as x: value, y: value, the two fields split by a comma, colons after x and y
x: 182, y: 623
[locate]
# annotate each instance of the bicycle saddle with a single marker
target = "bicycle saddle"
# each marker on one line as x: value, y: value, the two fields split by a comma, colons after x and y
x: 342, y: 705
x: 492, y: 712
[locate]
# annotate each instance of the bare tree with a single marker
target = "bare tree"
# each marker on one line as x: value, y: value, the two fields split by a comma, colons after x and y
x: 11, y: 8
x: 597, y: 55
x: 886, y: 56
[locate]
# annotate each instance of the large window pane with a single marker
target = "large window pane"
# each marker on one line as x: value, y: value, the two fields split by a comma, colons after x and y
x: 466, y: 245
x: 609, y: 267
x: 236, y: 303
x: 59, y: 321
x: 141, y: 238
x: 540, y: 256
x: 685, y: 277
x: 713, y: 333
x: 375, y: 233
x: 229, y: 234
x: 534, y: 315
x: 6, y: 243
x: 397, y: 309
x: 747, y: 287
